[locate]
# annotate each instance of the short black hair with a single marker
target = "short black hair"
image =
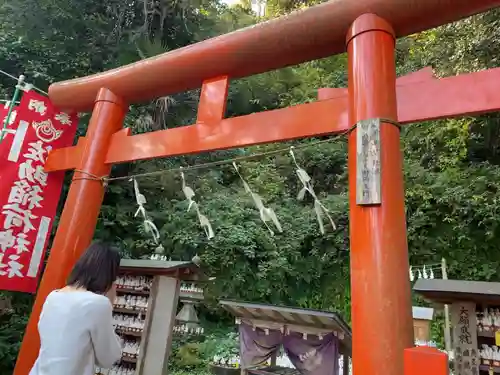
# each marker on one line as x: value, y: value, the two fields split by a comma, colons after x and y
x: 97, y: 269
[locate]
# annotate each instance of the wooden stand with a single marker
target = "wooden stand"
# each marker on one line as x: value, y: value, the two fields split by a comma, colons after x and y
x: 468, y: 300
x: 144, y: 313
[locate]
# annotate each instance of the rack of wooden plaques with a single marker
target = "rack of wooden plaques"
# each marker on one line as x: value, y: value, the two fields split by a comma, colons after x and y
x: 475, y: 322
x: 144, y: 314
x: 488, y: 337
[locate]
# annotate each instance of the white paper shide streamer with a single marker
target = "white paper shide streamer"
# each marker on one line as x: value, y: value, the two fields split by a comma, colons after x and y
x: 189, y: 194
x: 149, y: 226
x: 319, y: 208
x: 421, y: 273
x: 266, y: 213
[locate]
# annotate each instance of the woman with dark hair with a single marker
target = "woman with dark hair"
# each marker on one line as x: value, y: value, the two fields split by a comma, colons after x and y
x: 76, y: 323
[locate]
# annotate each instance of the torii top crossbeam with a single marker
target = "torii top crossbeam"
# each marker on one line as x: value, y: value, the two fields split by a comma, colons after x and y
x: 309, y: 34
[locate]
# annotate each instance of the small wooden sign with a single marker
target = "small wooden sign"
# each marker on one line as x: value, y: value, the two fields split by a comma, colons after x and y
x: 368, y: 176
x: 463, y: 321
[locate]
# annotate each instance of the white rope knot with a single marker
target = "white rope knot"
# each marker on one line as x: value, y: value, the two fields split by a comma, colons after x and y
x: 319, y: 208
x: 266, y: 213
x: 189, y: 194
x: 149, y: 226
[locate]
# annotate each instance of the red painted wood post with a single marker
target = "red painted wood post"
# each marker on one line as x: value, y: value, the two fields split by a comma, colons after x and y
x: 380, y: 286
x: 425, y: 361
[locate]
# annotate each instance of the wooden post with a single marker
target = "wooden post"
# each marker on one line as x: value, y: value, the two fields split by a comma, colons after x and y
x: 380, y: 288
x: 345, y: 364
x: 274, y: 357
x: 447, y: 330
x: 79, y: 217
x: 160, y: 331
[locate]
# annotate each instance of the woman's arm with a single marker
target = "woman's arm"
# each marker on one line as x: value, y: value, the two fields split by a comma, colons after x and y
x: 107, y: 347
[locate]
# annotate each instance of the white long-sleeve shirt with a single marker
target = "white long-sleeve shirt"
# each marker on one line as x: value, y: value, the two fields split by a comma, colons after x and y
x: 76, y: 334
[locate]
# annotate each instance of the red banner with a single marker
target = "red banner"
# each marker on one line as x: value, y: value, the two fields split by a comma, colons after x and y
x: 28, y: 195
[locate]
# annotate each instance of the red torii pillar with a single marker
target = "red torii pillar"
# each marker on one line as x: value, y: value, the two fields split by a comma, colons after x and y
x: 379, y: 252
x: 381, y: 307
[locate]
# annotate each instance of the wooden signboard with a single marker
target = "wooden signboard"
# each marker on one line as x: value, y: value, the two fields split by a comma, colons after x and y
x: 463, y: 321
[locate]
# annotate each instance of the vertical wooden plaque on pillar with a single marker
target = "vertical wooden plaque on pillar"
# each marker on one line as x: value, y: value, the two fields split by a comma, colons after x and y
x: 368, y: 162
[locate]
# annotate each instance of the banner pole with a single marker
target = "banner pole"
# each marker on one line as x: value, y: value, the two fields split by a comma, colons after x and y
x: 20, y: 81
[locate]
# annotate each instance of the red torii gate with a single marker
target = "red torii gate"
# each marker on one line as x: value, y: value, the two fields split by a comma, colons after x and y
x: 380, y: 288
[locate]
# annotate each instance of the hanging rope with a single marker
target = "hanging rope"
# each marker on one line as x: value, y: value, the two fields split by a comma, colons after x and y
x: 266, y: 213
x: 15, y: 97
x: 20, y: 86
x: 237, y: 159
x: 306, y: 181
x: 17, y: 78
x: 284, y: 150
x: 218, y: 163
x: 426, y: 271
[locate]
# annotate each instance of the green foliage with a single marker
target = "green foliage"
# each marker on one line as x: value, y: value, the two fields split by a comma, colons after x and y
x: 281, y: 7
x: 225, y: 347
x: 188, y: 356
x: 12, y: 328
x: 437, y: 329
x: 190, y: 372
x: 197, y: 355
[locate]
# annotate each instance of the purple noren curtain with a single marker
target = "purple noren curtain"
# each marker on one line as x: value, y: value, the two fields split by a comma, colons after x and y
x: 256, y: 347
x: 311, y: 355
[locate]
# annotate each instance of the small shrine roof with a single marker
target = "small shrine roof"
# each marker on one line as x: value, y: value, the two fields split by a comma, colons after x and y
x: 422, y: 313
x: 449, y: 291
x: 297, y: 319
x: 184, y: 270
